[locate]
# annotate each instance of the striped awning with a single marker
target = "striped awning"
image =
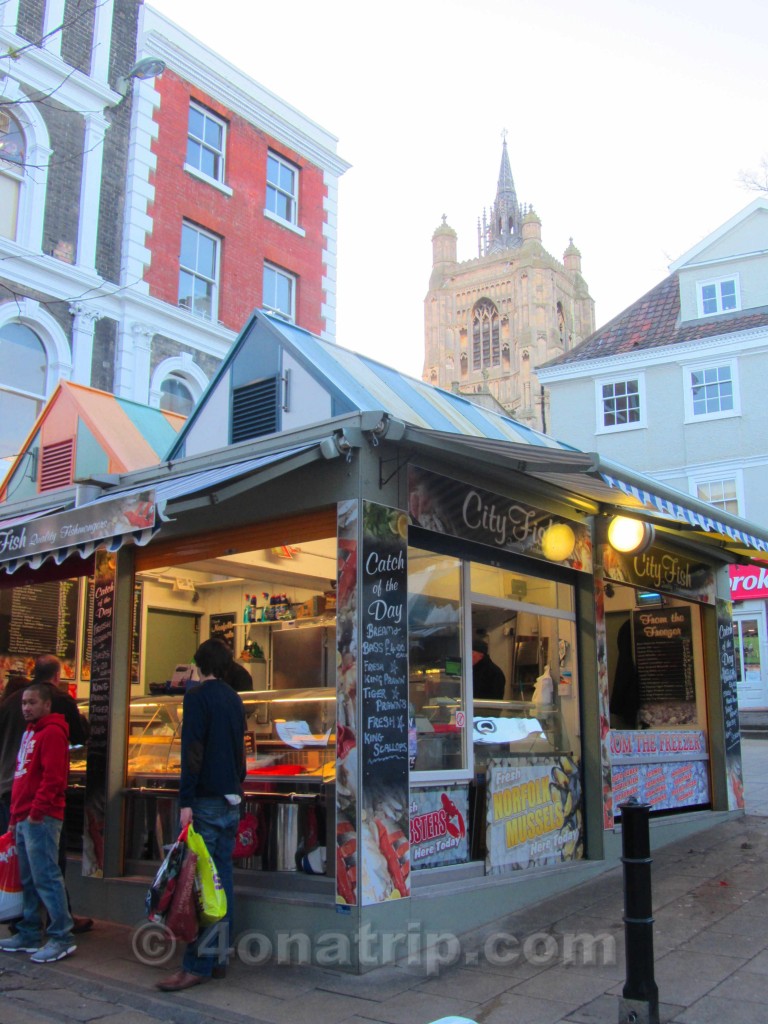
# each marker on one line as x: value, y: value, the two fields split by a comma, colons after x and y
x: 684, y: 513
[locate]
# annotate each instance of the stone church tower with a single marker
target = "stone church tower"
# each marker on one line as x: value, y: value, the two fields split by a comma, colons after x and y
x: 490, y: 321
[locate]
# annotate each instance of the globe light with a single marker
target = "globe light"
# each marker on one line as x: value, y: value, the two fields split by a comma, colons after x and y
x: 558, y: 542
x: 629, y: 536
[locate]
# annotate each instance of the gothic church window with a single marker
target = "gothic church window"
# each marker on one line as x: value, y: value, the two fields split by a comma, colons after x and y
x: 486, y: 351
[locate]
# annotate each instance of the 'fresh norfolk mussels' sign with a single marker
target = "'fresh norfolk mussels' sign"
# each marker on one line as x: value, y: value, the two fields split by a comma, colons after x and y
x: 91, y: 523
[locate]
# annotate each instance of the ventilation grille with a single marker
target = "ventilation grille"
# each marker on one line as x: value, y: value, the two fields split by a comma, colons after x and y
x: 56, y: 465
x: 254, y: 410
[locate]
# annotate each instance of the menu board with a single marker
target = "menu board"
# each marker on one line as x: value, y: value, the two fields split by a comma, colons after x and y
x: 664, y: 654
x: 383, y: 689
x: 222, y: 627
x: 384, y: 646
x: 86, y: 649
x: 39, y: 618
x: 728, y: 683
x: 102, y: 635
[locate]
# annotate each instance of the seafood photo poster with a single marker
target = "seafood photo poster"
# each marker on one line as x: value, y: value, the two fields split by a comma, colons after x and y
x: 535, y: 816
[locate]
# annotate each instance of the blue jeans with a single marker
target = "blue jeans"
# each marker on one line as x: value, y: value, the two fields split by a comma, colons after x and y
x: 216, y: 821
x: 37, y: 847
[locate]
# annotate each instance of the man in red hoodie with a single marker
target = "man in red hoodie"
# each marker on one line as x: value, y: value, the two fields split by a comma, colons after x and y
x: 37, y: 813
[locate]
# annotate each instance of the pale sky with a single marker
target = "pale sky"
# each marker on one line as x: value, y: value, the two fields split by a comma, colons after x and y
x: 629, y: 122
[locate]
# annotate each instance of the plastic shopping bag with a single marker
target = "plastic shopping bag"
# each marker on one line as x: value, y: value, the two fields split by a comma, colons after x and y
x: 181, y: 919
x: 212, y: 900
x: 11, y: 896
x: 160, y: 893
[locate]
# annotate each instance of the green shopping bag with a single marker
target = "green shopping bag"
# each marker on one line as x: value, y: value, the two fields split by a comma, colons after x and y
x: 212, y: 900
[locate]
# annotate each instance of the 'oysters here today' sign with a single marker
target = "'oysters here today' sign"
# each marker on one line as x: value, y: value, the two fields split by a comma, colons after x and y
x: 459, y: 509
x: 89, y: 524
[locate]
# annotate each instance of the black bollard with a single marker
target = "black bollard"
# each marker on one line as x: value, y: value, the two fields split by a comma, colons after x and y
x: 640, y: 1002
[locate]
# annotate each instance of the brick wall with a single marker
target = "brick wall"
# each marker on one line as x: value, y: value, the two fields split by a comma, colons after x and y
x: 103, y: 364
x: 29, y: 24
x: 249, y: 238
x: 66, y: 131
x: 77, y: 35
x: 115, y: 159
x: 169, y: 348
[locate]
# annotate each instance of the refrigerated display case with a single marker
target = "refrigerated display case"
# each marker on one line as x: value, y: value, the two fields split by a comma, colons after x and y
x: 290, y: 774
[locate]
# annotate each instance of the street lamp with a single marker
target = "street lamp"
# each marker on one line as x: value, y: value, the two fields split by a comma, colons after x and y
x: 147, y: 67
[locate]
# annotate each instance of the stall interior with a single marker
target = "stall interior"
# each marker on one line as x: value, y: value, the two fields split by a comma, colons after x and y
x: 493, y: 679
x: 276, y: 609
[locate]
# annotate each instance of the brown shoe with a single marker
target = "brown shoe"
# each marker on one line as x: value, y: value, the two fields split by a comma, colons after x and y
x: 179, y: 981
x: 81, y: 924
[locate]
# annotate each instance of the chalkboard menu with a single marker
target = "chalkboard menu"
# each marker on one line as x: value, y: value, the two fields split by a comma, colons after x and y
x: 384, y: 647
x: 664, y: 654
x: 728, y: 681
x: 39, y: 618
x: 98, y: 712
x: 222, y: 627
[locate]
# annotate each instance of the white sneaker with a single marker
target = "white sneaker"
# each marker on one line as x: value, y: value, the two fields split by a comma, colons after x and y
x: 15, y: 944
x: 54, y: 949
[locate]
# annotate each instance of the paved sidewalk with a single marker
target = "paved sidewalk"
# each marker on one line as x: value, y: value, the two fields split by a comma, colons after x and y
x: 711, y: 945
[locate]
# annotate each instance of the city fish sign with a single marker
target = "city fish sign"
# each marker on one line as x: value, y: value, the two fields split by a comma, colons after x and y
x: 449, y: 506
x: 89, y: 524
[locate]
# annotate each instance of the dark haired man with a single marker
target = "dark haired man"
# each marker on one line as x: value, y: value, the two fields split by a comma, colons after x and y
x: 37, y: 813
x: 210, y: 792
x: 47, y: 670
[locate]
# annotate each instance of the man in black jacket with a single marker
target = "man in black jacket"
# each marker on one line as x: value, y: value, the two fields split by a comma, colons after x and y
x: 12, y: 726
x: 210, y: 793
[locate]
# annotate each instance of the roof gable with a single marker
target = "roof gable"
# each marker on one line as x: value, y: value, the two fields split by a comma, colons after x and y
x: 738, y: 236
x: 328, y: 380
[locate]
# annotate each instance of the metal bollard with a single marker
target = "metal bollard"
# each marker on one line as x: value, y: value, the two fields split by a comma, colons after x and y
x: 640, y: 996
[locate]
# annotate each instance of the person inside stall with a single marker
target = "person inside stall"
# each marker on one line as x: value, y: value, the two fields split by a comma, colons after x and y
x: 625, y: 694
x: 12, y: 726
x: 488, y: 680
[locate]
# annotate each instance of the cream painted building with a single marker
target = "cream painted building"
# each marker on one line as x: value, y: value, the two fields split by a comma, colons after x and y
x: 492, y: 320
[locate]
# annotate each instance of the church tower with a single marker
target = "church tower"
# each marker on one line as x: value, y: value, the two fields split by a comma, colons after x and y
x: 490, y: 321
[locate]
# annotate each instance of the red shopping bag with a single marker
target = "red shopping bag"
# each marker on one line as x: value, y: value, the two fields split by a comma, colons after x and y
x: 248, y: 839
x: 11, y: 896
x: 181, y: 916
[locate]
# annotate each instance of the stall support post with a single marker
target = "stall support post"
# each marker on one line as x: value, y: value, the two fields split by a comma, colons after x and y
x: 640, y: 996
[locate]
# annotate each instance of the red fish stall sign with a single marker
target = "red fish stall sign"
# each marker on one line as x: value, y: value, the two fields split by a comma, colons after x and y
x: 748, y: 581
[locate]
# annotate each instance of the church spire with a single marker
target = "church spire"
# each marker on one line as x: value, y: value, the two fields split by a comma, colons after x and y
x: 503, y: 231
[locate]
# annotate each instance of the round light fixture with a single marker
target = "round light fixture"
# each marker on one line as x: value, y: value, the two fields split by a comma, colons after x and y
x: 558, y: 542
x: 629, y: 536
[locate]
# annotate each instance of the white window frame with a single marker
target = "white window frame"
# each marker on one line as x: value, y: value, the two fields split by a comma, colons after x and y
x: 293, y: 220
x: 720, y: 475
x: 215, y: 281
x: 292, y: 278
x: 182, y: 366
x: 623, y: 378
x: 717, y: 283
x: 219, y: 179
x: 711, y: 364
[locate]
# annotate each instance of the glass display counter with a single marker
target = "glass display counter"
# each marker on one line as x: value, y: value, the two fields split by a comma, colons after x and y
x: 290, y: 748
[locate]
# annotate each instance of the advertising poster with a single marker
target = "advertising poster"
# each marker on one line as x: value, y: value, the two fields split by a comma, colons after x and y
x: 347, y: 857
x: 449, y: 506
x: 383, y: 741
x: 729, y: 683
x: 667, y: 769
x: 438, y: 831
x: 534, y: 814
